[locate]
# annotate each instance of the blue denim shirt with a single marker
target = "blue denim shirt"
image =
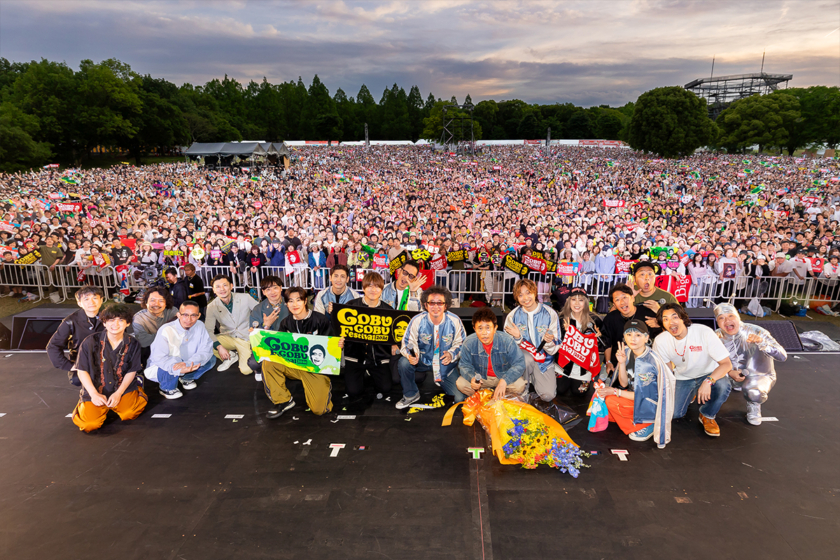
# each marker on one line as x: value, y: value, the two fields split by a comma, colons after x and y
x: 508, y: 361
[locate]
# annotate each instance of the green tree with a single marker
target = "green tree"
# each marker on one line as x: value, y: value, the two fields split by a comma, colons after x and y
x: 18, y: 149
x: 579, y: 127
x: 433, y: 124
x: 608, y: 125
x: 530, y: 127
x: 670, y: 122
x: 819, y: 108
x: 766, y: 120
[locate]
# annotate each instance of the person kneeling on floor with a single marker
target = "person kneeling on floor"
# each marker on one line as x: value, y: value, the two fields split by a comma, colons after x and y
x: 432, y: 343
x: 181, y: 352
x: 491, y: 359
x: 754, y: 352
x: 316, y: 386
x: 107, y: 365
x: 699, y: 360
x: 645, y: 411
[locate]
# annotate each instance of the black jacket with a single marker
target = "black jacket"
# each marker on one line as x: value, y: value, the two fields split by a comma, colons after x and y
x: 313, y: 323
x: 69, y: 336
x: 179, y: 292
x: 370, y: 354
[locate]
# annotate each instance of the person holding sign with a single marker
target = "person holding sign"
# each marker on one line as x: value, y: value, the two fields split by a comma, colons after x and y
x: 316, y: 387
x: 181, y: 352
x: 491, y: 360
x: 646, y: 409
x: 534, y: 326
x: 338, y: 292
x: 572, y: 377
x: 372, y: 358
x: 432, y: 343
x: 268, y: 314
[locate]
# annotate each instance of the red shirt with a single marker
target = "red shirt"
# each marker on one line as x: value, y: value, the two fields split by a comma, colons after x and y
x: 489, y: 348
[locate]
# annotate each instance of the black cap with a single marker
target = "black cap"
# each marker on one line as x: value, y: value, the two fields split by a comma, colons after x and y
x: 636, y: 325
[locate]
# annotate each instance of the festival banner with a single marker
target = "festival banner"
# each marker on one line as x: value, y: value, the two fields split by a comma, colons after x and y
x: 514, y: 265
x: 380, y: 261
x: 397, y: 262
x: 69, y: 207
x: 307, y: 352
x: 615, y: 203
x: 581, y: 349
x: 7, y: 249
x: 567, y: 268
x: 370, y: 325
x: 536, y: 265
x: 6, y: 226
x: 456, y: 256
x: 438, y: 263
x: 421, y: 255
x: 676, y: 284
x: 29, y: 258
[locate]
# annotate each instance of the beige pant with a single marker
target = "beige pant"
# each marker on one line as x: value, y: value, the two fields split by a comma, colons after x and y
x: 316, y: 387
x: 241, y: 347
x: 514, y: 389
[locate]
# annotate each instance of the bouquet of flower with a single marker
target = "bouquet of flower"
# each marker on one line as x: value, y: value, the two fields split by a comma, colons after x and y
x: 521, y: 434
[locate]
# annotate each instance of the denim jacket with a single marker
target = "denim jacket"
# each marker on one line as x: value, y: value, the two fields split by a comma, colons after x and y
x: 420, y: 335
x: 654, y: 385
x: 508, y: 361
x: 545, y: 321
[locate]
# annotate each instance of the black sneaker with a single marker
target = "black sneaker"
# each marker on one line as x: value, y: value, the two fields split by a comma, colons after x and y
x: 279, y: 409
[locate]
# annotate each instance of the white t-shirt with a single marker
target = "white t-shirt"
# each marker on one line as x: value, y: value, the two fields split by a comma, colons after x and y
x: 696, y: 355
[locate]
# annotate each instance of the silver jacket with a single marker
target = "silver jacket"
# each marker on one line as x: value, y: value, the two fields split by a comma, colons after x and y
x: 754, y: 360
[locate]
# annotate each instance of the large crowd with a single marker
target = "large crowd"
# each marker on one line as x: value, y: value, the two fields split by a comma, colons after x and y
x: 607, y: 217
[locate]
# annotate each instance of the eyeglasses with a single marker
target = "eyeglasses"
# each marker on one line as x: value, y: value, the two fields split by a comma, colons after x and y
x: 435, y: 303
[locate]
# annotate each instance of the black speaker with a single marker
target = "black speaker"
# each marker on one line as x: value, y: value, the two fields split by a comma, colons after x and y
x: 784, y: 332
x: 703, y: 316
x: 33, y: 329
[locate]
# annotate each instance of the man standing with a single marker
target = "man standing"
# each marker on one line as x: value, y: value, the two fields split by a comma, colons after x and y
x: 157, y: 311
x: 338, y: 292
x: 432, y: 343
x: 491, y: 359
x: 532, y: 324
x: 699, y: 360
x: 231, y: 312
x: 195, y: 287
x: 182, y: 351
x: 316, y: 387
x: 107, y: 366
x: 177, y: 287
x: 74, y: 329
x: 754, y: 352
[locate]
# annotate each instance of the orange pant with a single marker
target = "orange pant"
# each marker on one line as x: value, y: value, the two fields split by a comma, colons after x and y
x: 621, y: 412
x: 88, y: 417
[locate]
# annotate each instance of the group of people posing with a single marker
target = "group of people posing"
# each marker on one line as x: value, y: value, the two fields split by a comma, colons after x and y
x: 656, y: 361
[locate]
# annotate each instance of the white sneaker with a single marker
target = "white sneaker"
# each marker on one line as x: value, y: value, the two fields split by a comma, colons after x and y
x: 188, y: 385
x: 225, y: 365
x: 258, y: 376
x: 173, y: 394
x: 754, y: 413
x: 405, y: 402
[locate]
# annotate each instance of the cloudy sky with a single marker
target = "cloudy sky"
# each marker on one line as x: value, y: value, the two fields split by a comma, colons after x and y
x: 587, y: 53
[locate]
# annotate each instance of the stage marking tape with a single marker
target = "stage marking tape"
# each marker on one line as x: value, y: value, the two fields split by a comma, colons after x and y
x: 346, y: 417
x: 476, y: 452
x: 2, y: 414
x: 69, y: 415
x: 161, y: 415
x: 336, y: 447
x: 769, y: 419
x: 622, y: 454
x: 234, y: 416
x: 307, y: 442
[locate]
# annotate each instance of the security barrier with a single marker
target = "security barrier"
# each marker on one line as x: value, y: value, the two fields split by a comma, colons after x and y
x: 495, y: 285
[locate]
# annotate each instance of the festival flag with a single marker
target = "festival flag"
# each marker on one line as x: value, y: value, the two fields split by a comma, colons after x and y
x: 69, y: 181
x: 255, y: 179
x: 748, y: 171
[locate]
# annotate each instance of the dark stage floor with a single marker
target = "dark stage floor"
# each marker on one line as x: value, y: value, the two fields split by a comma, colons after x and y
x: 199, y: 486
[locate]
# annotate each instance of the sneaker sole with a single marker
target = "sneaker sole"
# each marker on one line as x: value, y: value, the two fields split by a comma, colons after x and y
x: 281, y: 411
x: 641, y: 439
x: 188, y: 387
x: 170, y: 397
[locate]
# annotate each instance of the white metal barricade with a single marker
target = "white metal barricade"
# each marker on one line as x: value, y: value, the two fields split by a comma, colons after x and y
x: 31, y: 277
x: 70, y: 278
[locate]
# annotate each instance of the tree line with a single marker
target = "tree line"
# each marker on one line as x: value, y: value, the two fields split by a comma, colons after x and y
x: 50, y: 112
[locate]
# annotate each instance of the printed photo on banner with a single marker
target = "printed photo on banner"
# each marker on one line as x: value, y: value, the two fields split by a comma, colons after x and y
x: 309, y: 352
x: 370, y: 325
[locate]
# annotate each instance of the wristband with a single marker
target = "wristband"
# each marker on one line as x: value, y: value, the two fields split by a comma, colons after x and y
x: 710, y: 380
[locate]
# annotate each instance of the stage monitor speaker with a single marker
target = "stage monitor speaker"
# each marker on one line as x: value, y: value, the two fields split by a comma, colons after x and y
x: 33, y: 329
x: 466, y: 313
x: 784, y: 332
x: 703, y: 316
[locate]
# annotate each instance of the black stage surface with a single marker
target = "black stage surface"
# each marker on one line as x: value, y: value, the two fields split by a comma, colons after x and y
x: 199, y: 486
